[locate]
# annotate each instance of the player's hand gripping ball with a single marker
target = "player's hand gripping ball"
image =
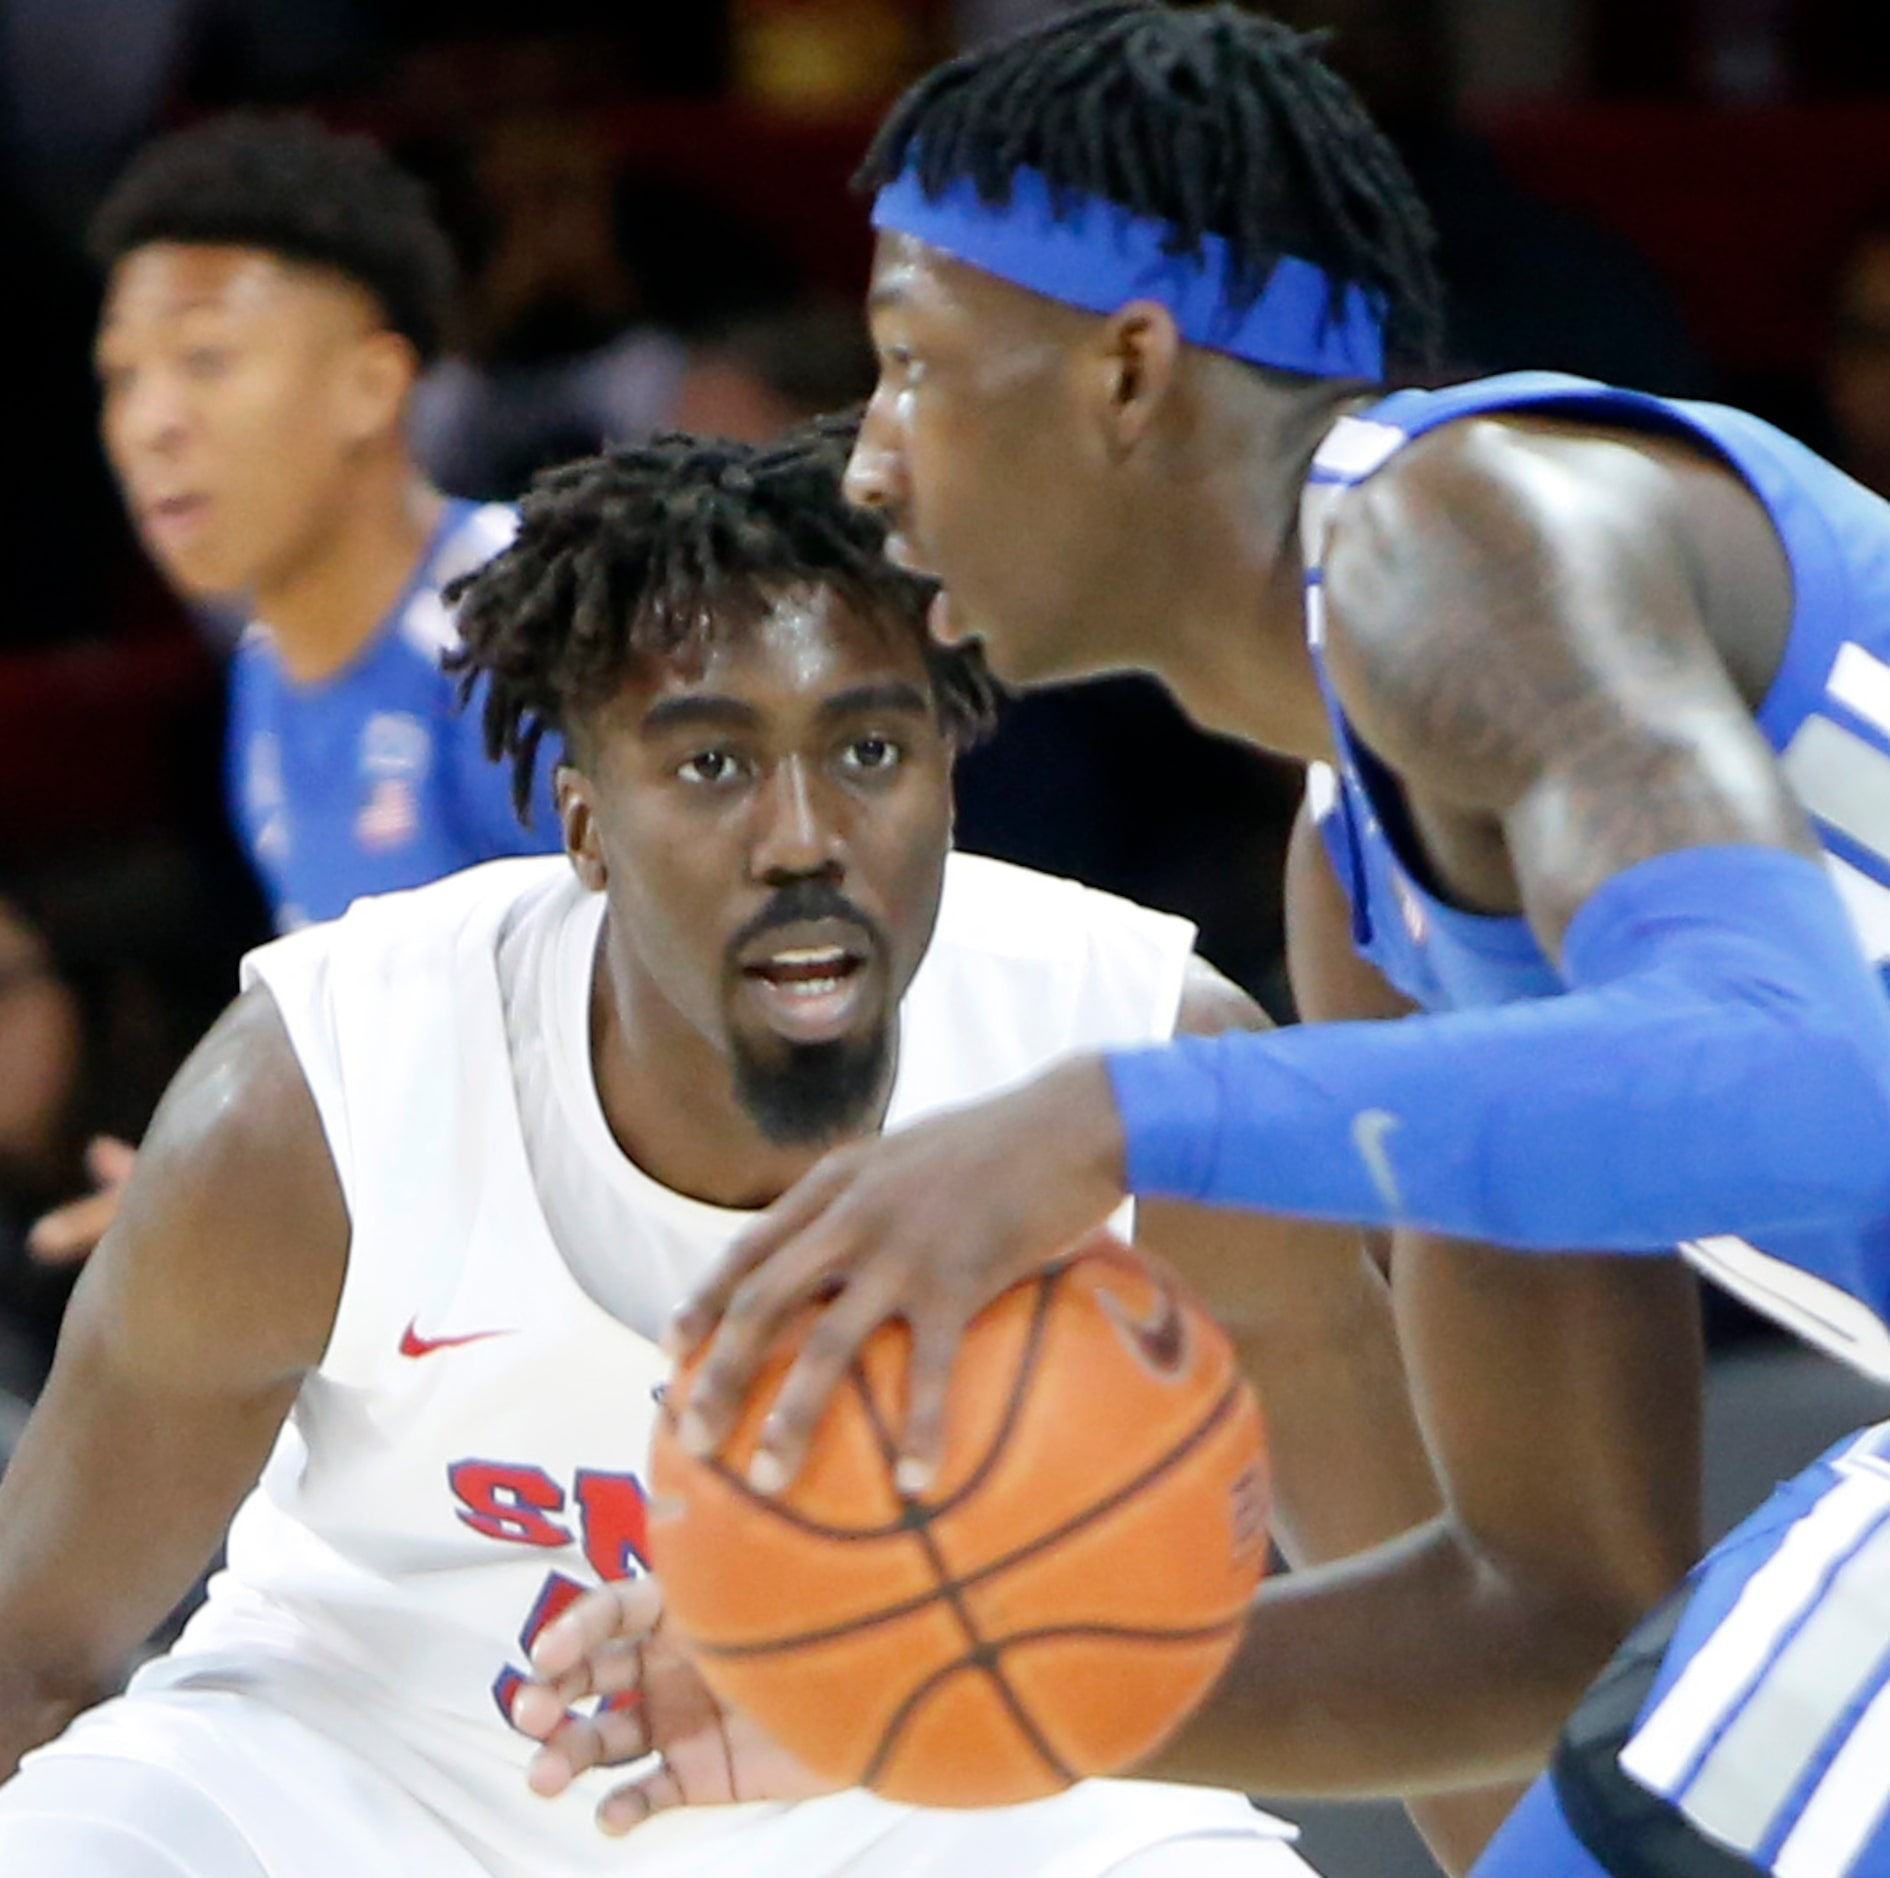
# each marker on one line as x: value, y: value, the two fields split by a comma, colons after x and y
x: 1052, y: 1607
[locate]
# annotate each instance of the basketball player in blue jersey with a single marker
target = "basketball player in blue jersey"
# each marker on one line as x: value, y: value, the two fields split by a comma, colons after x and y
x: 1595, y: 689
x: 273, y: 292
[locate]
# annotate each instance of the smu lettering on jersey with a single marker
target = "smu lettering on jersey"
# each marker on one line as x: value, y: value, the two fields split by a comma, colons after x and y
x: 469, y: 1453
x: 1827, y: 715
x: 373, y: 779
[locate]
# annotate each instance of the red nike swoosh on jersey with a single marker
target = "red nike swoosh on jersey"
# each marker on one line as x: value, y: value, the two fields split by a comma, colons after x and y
x: 413, y: 1344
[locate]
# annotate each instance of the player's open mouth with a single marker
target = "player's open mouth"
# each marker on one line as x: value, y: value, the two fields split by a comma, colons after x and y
x: 174, y: 518
x: 810, y: 993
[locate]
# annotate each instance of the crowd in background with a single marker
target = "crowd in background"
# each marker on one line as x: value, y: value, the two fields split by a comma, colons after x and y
x: 649, y: 210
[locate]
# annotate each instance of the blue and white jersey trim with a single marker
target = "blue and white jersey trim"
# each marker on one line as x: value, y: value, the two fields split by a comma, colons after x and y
x: 1774, y: 1739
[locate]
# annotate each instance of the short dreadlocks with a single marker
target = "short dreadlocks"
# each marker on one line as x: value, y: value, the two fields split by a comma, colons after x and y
x: 286, y: 185
x: 666, y: 547
x: 1215, y: 120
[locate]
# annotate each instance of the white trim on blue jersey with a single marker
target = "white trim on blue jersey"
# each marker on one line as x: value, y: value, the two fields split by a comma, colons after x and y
x: 1797, y: 1673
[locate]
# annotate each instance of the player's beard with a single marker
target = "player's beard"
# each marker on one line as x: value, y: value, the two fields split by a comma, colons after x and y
x: 807, y: 1094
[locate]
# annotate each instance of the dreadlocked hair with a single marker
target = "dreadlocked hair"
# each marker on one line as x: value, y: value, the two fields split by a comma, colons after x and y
x: 286, y: 185
x: 1214, y: 120
x: 667, y: 547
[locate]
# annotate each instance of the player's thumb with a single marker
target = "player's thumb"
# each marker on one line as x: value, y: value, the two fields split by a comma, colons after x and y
x: 109, y: 1161
x: 68, y: 1233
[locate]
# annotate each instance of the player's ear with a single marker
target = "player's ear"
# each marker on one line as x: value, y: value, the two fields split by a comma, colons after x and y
x: 1140, y: 352
x: 380, y: 374
x: 575, y: 817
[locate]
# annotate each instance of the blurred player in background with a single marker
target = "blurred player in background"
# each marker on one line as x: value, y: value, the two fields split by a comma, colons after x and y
x: 273, y: 292
x: 407, y: 1227
x: 1596, y: 687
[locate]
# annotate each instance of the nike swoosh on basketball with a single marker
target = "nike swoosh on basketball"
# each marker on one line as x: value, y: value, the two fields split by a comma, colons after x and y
x: 1160, y: 1339
x: 413, y: 1344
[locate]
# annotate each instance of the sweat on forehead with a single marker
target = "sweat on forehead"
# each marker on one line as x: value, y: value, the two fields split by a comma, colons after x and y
x: 687, y: 637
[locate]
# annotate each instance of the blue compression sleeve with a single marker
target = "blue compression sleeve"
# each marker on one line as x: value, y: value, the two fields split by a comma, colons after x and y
x: 1719, y: 1064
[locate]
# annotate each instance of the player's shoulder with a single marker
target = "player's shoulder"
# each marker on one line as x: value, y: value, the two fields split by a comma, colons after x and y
x: 390, y: 936
x: 1001, y: 910
x: 1024, y: 967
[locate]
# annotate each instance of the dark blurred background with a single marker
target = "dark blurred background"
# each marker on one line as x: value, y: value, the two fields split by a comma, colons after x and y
x: 650, y: 202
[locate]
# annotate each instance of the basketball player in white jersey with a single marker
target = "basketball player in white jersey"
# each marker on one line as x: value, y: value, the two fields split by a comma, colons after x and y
x: 388, y: 1283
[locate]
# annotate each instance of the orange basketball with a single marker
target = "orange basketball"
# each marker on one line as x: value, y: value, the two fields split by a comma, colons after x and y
x: 1052, y: 1608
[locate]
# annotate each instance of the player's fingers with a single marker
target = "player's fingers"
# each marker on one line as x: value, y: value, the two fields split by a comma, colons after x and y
x: 818, y: 1371
x: 606, y: 1739
x: 109, y: 1161
x: 935, y: 1340
x: 539, y: 1709
x: 756, y: 1313
x: 68, y: 1233
x: 632, y: 1803
x: 611, y: 1670
x: 803, y: 1203
x: 625, y: 1611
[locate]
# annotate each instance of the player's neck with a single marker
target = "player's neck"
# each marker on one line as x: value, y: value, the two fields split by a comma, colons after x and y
x: 669, y: 1100
x: 326, y: 605
x: 1230, y: 643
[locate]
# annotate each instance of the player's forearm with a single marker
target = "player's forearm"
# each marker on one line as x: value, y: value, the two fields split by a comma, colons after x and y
x: 1415, y: 1668
x: 1350, y: 1471
x: 1721, y: 1065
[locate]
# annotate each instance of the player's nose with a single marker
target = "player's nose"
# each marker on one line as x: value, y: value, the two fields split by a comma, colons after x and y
x: 149, y: 417
x: 875, y: 474
x: 797, y: 831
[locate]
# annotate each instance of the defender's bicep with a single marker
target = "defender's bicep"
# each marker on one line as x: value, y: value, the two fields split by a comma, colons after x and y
x: 226, y: 1258
x: 186, y: 1341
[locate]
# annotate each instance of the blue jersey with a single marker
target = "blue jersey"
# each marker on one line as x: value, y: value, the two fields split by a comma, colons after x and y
x: 1827, y: 715
x: 374, y: 779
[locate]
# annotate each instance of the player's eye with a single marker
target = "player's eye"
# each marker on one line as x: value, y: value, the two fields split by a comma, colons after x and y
x: 872, y: 754
x: 710, y: 768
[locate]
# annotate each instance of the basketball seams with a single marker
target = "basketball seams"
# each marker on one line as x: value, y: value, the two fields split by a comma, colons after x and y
x: 1125, y: 1633
x: 983, y: 1654
x: 992, y: 1568
x: 921, y: 1692
x: 821, y: 1529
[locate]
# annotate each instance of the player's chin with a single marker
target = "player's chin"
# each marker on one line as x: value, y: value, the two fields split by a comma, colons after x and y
x: 814, y: 1094
x: 196, y: 575
x: 1014, y: 647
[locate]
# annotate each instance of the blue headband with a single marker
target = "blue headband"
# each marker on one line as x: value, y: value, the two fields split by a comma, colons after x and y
x: 1090, y: 252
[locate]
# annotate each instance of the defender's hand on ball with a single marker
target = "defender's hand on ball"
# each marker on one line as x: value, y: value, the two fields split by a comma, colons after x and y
x: 613, y: 1642
x: 929, y: 1225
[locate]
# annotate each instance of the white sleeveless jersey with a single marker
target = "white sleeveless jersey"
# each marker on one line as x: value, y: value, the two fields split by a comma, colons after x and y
x: 470, y: 1451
